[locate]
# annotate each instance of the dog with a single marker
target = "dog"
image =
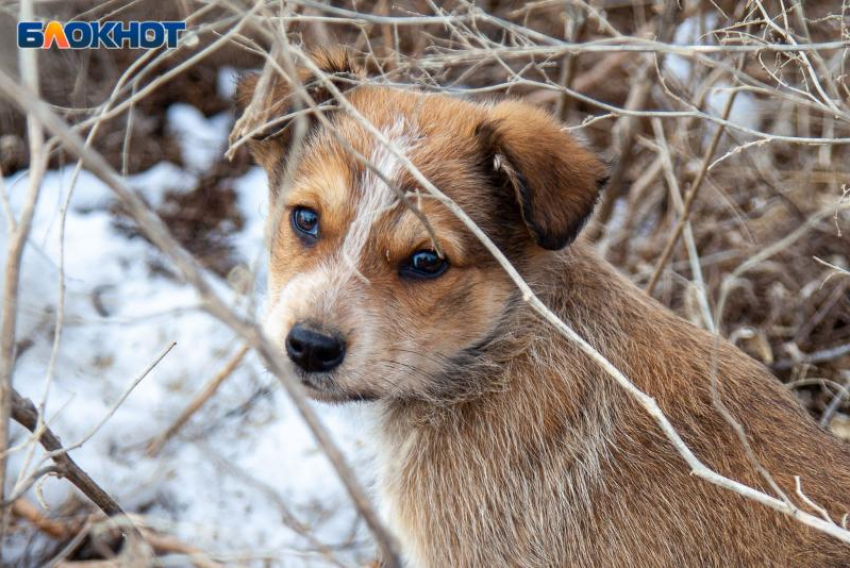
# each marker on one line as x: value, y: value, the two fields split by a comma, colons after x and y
x: 501, y: 443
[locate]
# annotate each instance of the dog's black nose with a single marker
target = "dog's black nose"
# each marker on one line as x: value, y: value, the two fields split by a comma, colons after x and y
x: 313, y: 351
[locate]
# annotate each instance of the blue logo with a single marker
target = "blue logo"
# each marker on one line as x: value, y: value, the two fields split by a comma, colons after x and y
x: 93, y: 35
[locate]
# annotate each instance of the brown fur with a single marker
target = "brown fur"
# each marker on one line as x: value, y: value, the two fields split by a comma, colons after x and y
x: 501, y: 443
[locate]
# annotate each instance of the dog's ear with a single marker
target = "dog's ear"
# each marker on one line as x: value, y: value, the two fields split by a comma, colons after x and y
x: 556, y: 181
x: 270, y: 145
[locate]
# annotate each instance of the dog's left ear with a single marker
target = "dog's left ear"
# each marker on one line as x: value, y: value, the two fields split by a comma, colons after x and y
x: 555, y: 179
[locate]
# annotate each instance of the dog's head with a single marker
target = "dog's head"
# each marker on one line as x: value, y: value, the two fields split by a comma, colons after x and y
x: 369, y: 301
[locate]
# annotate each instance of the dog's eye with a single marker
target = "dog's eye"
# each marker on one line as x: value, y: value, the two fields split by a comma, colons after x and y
x: 424, y: 264
x: 306, y: 223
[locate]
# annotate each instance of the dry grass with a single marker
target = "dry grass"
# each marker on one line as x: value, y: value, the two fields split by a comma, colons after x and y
x: 729, y: 160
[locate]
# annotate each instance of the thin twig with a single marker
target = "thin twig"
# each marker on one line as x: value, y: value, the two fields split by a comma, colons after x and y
x: 198, y: 401
x: 25, y: 414
x: 26, y: 510
x: 17, y: 242
x: 691, y: 198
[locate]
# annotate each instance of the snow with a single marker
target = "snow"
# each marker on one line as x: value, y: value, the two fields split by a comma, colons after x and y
x: 223, y: 483
x: 160, y: 180
x: 201, y: 139
x: 226, y: 82
x: 746, y: 110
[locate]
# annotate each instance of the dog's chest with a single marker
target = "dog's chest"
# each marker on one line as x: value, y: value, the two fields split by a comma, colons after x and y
x: 450, y: 500
x: 393, y: 492
x: 442, y: 508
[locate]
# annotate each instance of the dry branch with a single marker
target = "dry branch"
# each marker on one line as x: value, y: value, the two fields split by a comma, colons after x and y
x: 15, y: 251
x: 198, y: 401
x: 625, y: 128
x: 25, y: 414
x: 26, y: 510
x: 689, y: 200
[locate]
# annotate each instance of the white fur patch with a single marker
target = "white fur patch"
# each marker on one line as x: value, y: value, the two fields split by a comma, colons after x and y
x: 377, y: 196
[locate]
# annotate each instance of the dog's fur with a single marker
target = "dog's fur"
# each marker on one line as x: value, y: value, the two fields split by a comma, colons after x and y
x: 501, y: 443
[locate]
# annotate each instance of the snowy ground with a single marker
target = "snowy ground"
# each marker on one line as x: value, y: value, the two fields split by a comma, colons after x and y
x: 245, y: 463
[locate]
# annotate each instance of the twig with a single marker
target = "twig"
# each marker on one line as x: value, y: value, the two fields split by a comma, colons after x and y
x: 834, y: 405
x: 269, y: 493
x: 820, y: 356
x: 38, y: 430
x: 691, y: 198
x: 26, y: 510
x: 25, y: 414
x: 807, y: 500
x: 58, y: 327
x: 167, y: 544
x: 625, y: 128
x: 17, y: 242
x: 198, y: 401
x: 24, y: 485
x: 690, y: 244
x: 160, y: 543
x: 133, y: 384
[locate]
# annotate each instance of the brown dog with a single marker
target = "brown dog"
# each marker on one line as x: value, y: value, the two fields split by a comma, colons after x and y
x: 501, y: 443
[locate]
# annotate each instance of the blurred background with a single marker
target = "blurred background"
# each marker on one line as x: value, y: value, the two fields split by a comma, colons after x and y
x: 726, y: 126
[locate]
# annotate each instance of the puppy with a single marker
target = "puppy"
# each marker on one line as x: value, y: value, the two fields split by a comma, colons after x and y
x: 502, y: 444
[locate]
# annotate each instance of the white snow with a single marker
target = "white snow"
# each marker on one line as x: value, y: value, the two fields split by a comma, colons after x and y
x: 226, y: 82
x: 201, y: 140
x: 159, y: 180
x: 222, y: 482
x: 746, y: 110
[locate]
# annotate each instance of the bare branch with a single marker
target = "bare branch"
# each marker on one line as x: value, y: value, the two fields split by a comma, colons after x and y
x: 25, y: 414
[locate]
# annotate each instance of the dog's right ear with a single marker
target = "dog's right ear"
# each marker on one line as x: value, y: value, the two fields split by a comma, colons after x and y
x: 270, y: 145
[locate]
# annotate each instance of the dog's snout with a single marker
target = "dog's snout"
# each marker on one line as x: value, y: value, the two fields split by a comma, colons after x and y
x: 314, y: 351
